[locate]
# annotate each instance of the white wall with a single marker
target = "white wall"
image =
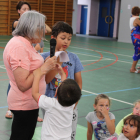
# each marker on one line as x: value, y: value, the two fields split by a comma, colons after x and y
x: 78, y: 19
x: 88, y: 3
x: 94, y: 13
x: 116, y: 18
x: 125, y: 14
x: 74, y: 16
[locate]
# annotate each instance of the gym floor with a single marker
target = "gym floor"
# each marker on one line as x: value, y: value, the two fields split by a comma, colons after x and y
x: 106, y: 70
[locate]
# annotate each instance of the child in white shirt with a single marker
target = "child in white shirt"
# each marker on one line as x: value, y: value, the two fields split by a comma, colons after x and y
x: 57, y: 123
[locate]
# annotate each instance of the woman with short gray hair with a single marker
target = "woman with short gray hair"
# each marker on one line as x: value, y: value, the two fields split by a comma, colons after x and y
x: 21, y: 59
x: 31, y: 25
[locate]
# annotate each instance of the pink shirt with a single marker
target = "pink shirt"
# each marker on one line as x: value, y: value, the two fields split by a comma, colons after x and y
x: 20, y: 53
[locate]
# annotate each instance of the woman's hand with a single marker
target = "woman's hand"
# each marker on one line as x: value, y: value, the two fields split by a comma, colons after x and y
x: 50, y: 64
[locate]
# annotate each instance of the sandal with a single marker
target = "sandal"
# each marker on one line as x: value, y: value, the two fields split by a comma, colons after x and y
x: 136, y: 71
x: 9, y: 115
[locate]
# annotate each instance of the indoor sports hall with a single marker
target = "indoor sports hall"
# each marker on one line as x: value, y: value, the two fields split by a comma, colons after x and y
x: 106, y: 59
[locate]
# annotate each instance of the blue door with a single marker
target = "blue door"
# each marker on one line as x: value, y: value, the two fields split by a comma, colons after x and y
x: 106, y: 18
x: 83, y: 24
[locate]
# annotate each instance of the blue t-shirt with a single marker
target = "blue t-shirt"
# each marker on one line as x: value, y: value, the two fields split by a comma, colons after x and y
x: 70, y: 68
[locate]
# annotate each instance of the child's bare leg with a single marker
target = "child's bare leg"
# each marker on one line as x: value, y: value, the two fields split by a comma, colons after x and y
x: 133, y: 67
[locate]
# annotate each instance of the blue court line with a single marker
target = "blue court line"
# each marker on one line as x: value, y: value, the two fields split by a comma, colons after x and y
x: 98, y: 93
x: 112, y: 91
x: 88, y: 95
x: 3, y: 106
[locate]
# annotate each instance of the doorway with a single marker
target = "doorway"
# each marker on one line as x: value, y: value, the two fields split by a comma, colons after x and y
x: 83, y: 24
x: 106, y: 18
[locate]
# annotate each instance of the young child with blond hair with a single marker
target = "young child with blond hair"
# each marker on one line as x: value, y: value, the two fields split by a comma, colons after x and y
x: 101, y: 122
x: 136, y: 111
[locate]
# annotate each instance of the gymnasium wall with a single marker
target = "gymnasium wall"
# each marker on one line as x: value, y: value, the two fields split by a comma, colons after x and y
x: 94, y: 17
x: 116, y: 19
x: 88, y: 3
x: 74, y: 16
x: 125, y: 14
x: 55, y: 10
x: 4, y: 6
x: 78, y: 20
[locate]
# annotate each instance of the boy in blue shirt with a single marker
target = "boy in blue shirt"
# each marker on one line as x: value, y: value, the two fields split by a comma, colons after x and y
x: 63, y: 32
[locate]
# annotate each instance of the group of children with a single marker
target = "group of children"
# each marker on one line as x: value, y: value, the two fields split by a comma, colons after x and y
x: 101, y: 122
x: 59, y: 104
x: 62, y: 96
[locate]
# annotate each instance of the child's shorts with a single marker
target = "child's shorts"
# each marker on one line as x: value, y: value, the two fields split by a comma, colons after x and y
x: 135, y: 36
x: 136, y: 55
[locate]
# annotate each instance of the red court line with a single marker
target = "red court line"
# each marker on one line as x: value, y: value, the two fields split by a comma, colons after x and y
x: 95, y: 61
x: 104, y: 66
x: 2, y: 47
x: 100, y: 59
x: 3, y: 73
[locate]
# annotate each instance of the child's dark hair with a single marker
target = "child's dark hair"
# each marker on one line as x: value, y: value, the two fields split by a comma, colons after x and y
x: 68, y: 92
x: 136, y: 120
x: 61, y: 26
x: 20, y: 3
x: 135, y: 11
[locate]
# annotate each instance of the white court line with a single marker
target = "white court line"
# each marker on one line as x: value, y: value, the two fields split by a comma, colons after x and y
x: 85, y: 54
x: 97, y: 94
x: 92, y: 60
x: 2, y: 67
x: 89, y: 50
x: 109, y: 97
x: 99, y: 57
x: 101, y: 51
x: 97, y: 50
x: 123, y: 61
x: 88, y: 55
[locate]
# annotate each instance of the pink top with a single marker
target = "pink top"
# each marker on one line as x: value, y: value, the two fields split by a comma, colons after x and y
x: 20, y: 53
